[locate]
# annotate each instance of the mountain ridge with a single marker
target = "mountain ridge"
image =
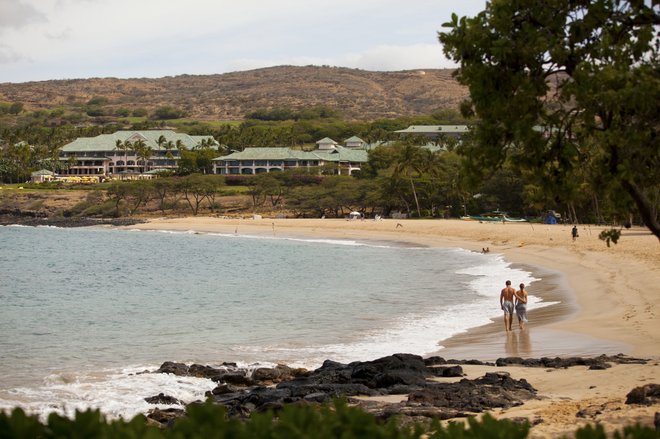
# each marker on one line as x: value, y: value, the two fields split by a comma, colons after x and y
x: 357, y: 94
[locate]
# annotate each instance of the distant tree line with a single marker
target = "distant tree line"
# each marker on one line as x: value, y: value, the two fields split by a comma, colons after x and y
x: 399, y: 177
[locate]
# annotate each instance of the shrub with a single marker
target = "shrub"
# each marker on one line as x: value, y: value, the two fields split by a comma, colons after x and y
x: 168, y: 112
x: 140, y: 112
x: 339, y: 420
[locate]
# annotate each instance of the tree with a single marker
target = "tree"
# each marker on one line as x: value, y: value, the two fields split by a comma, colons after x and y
x: 118, y: 192
x: 560, y: 86
x: 408, y: 163
x: 168, y: 112
x: 16, y: 108
x: 196, y: 187
x: 144, y: 152
x: 169, y: 146
x: 163, y: 187
x: 266, y: 185
x: 124, y: 146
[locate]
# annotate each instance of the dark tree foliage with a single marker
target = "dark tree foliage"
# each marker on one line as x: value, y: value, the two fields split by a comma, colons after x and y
x: 168, y: 112
x: 568, y: 90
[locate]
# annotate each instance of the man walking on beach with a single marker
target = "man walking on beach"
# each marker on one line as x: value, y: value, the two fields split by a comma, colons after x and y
x: 506, y: 303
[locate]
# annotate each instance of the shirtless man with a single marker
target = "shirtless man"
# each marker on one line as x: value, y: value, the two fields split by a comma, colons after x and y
x: 506, y: 303
x: 521, y: 306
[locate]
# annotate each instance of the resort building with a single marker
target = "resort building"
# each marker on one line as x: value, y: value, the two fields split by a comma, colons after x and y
x: 42, y: 176
x: 133, y: 154
x: 126, y: 153
x: 436, y: 131
x: 346, y: 160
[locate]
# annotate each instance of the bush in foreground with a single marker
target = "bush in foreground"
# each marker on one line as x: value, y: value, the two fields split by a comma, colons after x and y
x: 337, y: 421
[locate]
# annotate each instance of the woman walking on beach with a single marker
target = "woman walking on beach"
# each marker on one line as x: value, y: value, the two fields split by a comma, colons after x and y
x: 521, y: 306
x: 506, y: 303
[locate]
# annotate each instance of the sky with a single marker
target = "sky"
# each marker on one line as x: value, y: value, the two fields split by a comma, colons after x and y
x: 66, y: 39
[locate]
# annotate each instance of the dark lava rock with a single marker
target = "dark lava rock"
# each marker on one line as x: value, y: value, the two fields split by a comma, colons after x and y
x: 648, y: 394
x: 447, y: 371
x: 35, y: 218
x: 434, y: 361
x: 166, y: 417
x: 179, y: 369
x: 492, y: 390
x: 471, y: 362
x: 299, y: 390
x: 600, y: 366
x: 596, y: 363
x: 387, y: 371
x: 277, y: 374
x: 236, y: 378
x: 200, y: 371
x: 163, y: 399
x: 223, y: 389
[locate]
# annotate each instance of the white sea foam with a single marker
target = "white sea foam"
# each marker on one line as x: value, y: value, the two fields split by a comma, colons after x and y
x: 421, y: 333
x: 118, y: 394
x: 344, y: 242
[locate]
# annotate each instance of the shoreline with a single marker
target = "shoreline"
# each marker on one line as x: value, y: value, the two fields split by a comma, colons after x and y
x: 592, y: 318
x: 607, y: 297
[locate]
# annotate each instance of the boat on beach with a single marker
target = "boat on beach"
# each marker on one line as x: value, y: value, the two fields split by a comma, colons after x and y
x: 494, y: 216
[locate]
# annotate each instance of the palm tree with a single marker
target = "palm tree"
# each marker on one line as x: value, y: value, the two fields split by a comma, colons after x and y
x: 180, y: 146
x: 408, y: 162
x: 122, y: 147
x: 143, y: 151
x: 169, y: 146
x: 161, y: 141
x: 127, y: 146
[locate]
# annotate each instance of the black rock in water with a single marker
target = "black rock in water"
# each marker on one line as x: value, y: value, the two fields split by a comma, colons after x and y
x: 163, y: 399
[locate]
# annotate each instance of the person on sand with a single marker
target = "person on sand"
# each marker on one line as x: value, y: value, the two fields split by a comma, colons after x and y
x: 506, y: 303
x: 521, y: 306
x: 574, y: 232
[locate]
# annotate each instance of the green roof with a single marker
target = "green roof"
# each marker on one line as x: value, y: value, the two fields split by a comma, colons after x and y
x: 42, y: 172
x: 268, y: 154
x: 344, y: 155
x: 354, y: 139
x: 108, y: 142
x: 435, y: 129
x: 339, y: 154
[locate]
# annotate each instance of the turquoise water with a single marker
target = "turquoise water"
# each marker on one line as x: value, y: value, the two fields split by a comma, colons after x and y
x: 84, y: 308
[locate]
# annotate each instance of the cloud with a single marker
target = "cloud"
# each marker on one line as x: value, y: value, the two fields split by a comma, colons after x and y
x: 64, y: 34
x: 8, y: 56
x: 128, y: 38
x: 391, y: 57
x: 16, y: 14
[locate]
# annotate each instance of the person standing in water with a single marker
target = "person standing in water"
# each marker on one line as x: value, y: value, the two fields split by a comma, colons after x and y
x: 521, y: 306
x: 506, y: 303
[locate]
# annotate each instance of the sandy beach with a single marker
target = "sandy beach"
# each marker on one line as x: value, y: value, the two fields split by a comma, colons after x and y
x: 608, y: 305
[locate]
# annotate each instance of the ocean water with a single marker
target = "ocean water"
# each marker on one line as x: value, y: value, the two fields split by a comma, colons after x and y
x: 83, y: 310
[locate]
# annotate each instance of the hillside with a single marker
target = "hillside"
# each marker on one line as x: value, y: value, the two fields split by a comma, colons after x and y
x: 357, y: 94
